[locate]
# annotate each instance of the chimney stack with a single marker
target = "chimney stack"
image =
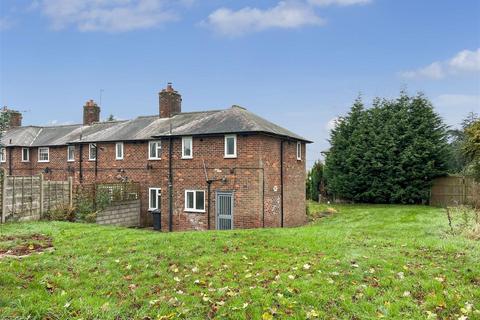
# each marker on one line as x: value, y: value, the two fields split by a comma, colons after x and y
x: 91, y: 113
x: 14, y: 118
x: 170, y: 102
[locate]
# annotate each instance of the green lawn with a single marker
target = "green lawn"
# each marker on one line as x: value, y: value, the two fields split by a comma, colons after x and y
x: 366, y: 261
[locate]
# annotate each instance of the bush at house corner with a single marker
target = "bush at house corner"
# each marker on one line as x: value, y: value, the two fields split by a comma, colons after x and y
x: 389, y: 153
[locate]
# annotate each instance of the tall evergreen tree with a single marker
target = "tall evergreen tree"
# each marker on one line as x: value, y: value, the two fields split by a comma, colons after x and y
x: 314, y: 181
x: 389, y: 153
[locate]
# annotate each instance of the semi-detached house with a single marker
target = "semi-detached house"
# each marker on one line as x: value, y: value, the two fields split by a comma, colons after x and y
x: 219, y: 169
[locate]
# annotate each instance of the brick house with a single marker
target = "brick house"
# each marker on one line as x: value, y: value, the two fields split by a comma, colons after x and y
x: 219, y: 169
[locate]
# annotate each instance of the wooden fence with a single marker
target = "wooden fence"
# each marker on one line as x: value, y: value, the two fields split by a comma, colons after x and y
x: 27, y: 198
x: 454, y: 190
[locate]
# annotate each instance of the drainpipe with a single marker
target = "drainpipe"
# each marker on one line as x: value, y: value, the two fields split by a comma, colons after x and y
x: 281, y: 183
x: 263, y: 197
x: 209, y: 184
x: 9, y: 160
x: 96, y: 160
x: 80, y: 167
x: 170, y: 186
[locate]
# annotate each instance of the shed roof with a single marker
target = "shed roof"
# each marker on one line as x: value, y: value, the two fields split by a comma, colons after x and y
x: 233, y: 120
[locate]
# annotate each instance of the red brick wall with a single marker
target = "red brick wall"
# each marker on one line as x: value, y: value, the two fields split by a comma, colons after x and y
x: 254, y: 177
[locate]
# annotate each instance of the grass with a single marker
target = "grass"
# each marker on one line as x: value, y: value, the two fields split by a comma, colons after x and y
x: 364, y: 262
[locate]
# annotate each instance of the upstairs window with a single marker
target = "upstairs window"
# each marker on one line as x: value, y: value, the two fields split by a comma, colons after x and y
x: 154, y: 150
x: 71, y: 153
x: 231, y: 146
x: 195, y: 200
x: 25, y: 155
x: 119, y: 151
x: 299, y: 150
x: 154, y: 198
x: 92, y: 151
x: 187, y: 148
x: 3, y: 155
x: 43, y: 154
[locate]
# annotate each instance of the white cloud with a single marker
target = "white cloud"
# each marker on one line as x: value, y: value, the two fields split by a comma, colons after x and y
x: 108, y: 15
x: 342, y: 3
x: 466, y: 60
x: 463, y: 62
x: 432, y: 71
x: 286, y: 14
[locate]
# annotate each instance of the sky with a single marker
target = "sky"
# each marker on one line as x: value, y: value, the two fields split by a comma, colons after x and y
x: 298, y: 63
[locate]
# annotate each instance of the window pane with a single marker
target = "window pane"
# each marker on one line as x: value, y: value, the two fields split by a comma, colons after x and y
x: 43, y: 154
x: 93, y: 152
x: 190, y: 200
x: 230, y: 145
x: 153, y: 199
x: 119, y: 150
x: 200, y: 200
x: 154, y: 149
x: 187, y: 147
x: 71, y: 153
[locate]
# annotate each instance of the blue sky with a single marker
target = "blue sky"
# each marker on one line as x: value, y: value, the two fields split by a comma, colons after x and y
x: 298, y: 63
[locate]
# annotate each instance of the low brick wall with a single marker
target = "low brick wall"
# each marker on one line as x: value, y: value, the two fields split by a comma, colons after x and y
x: 125, y: 214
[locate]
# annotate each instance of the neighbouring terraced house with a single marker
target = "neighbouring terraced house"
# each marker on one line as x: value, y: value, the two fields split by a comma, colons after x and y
x: 219, y: 169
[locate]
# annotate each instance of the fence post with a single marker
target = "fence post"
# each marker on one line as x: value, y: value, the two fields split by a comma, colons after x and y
x: 70, y: 191
x: 41, y: 193
x: 4, y: 188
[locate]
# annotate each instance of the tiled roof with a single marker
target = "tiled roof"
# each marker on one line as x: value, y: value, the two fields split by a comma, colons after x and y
x: 233, y: 120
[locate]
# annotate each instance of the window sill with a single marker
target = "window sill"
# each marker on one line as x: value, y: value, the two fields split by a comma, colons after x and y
x: 92, y: 160
x: 43, y: 161
x: 187, y: 158
x: 230, y: 157
x: 119, y: 159
x: 194, y: 211
x: 154, y: 159
x: 70, y: 160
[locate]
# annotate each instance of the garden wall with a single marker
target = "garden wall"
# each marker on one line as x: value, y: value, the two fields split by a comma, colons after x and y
x: 126, y: 214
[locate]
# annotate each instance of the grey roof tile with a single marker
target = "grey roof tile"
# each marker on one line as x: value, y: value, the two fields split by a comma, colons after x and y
x: 233, y: 120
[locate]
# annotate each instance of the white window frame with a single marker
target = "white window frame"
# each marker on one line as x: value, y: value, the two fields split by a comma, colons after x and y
x: 158, y: 191
x: 119, y: 144
x: 234, y: 155
x: 28, y: 155
x: 158, y: 150
x: 48, y: 154
x: 184, y: 140
x: 194, y: 209
x: 299, y: 150
x: 3, y: 155
x: 68, y: 153
x: 90, y: 155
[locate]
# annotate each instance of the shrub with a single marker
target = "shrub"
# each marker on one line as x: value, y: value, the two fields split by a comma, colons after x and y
x: 87, y: 207
x: 60, y: 213
x: 464, y: 220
